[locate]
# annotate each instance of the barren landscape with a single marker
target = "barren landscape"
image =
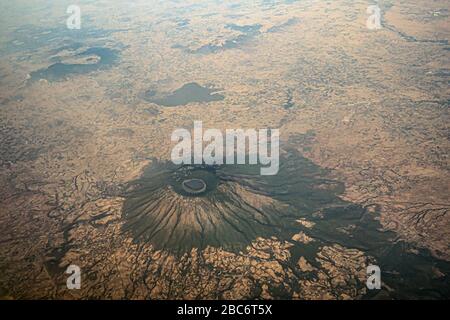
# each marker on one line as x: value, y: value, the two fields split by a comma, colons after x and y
x: 86, y: 118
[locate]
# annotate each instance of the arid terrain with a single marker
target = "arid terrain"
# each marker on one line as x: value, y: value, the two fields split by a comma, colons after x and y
x: 86, y: 117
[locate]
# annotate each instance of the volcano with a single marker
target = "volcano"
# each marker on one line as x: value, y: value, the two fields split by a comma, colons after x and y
x: 180, y: 207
